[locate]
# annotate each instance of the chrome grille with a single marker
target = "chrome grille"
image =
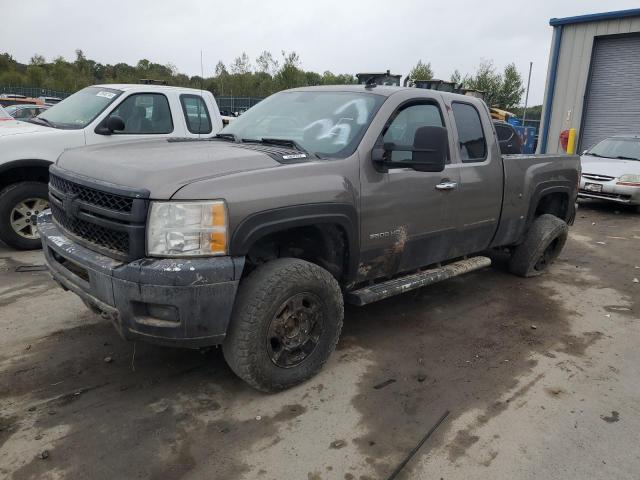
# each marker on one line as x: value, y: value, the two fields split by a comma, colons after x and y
x: 597, y: 177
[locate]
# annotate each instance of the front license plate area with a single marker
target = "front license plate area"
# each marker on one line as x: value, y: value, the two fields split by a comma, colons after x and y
x: 593, y: 187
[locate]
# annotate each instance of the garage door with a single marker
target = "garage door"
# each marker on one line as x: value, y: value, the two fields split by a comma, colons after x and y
x: 613, y: 98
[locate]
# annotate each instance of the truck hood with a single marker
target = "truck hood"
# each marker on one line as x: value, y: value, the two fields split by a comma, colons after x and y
x: 162, y: 166
x: 15, y: 127
x: 613, y: 167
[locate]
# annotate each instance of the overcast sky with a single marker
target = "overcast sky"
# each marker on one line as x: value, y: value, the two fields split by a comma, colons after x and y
x: 338, y: 35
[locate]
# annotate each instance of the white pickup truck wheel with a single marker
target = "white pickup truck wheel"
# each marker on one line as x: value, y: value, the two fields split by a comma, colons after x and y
x: 20, y: 204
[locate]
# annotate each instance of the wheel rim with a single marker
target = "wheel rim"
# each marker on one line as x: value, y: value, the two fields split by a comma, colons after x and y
x: 547, y: 256
x: 23, y: 217
x: 295, y: 330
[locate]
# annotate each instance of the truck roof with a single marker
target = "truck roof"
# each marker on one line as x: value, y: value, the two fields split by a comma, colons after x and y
x: 140, y: 86
x: 383, y: 90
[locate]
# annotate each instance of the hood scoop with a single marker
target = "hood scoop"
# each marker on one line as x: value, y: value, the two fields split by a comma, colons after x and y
x: 278, y: 153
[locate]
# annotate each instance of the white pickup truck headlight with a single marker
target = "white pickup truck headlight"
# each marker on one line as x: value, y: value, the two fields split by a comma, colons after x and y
x: 177, y: 229
x: 631, y: 179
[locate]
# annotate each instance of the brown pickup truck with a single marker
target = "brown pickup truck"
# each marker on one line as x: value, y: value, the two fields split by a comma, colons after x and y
x: 255, y: 237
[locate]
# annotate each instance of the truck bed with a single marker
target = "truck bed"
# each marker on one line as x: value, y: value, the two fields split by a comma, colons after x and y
x: 529, y: 178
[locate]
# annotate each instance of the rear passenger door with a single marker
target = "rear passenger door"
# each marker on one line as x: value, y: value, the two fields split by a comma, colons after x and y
x: 478, y: 199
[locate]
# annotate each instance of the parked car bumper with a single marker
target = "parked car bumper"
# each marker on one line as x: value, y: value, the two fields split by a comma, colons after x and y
x: 624, y: 194
x: 175, y: 302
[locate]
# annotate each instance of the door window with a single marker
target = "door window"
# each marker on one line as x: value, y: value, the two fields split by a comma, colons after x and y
x: 196, y: 114
x: 473, y: 144
x: 504, y: 133
x: 145, y: 113
x: 403, y: 128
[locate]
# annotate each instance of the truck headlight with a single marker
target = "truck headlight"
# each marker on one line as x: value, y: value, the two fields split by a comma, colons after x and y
x: 630, y: 179
x: 177, y: 229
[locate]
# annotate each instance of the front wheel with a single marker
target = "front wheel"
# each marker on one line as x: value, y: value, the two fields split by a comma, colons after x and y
x: 286, y: 323
x: 20, y: 204
x: 542, y: 245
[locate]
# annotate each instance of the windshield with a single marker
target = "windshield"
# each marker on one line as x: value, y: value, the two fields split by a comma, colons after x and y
x: 620, y: 148
x: 4, y: 114
x: 78, y: 110
x: 327, y: 124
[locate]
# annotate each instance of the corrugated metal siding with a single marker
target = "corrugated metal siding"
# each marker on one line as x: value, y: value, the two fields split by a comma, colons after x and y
x: 613, y: 96
x: 573, y: 73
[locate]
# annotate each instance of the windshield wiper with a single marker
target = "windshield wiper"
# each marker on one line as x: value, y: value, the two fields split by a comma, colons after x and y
x: 622, y: 157
x: 226, y: 136
x: 42, y: 121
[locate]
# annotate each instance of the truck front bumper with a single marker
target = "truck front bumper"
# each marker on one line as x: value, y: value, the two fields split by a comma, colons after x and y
x: 176, y: 302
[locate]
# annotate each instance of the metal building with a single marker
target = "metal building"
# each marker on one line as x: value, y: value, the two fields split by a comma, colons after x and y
x: 593, y: 79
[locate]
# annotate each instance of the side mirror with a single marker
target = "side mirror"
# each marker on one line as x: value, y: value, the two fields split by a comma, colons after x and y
x: 430, y: 145
x: 111, y: 124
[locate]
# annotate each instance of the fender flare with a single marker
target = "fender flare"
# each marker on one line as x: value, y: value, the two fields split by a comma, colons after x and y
x: 546, y: 188
x: 260, y: 224
x: 24, y: 163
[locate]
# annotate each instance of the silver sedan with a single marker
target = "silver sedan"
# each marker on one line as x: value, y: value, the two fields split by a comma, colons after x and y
x: 611, y: 171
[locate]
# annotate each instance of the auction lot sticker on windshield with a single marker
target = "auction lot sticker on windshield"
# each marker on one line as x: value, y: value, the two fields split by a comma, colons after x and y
x: 104, y: 94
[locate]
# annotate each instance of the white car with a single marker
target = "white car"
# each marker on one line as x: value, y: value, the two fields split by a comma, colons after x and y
x: 94, y: 115
x: 611, y: 171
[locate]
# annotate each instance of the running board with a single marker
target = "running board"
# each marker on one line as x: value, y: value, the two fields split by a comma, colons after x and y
x: 399, y: 285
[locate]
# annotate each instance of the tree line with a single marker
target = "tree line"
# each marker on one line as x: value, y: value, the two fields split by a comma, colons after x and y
x: 242, y: 77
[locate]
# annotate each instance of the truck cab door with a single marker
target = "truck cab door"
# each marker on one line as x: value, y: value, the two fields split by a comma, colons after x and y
x: 478, y: 198
x: 145, y: 115
x: 406, y: 215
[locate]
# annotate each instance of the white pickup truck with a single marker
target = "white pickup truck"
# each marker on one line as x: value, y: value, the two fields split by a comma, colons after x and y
x: 94, y: 115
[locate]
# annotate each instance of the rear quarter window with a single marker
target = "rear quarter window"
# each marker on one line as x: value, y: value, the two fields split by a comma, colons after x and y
x: 471, y: 138
x: 196, y: 114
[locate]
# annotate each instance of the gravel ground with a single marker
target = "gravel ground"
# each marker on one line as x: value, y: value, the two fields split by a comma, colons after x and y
x: 540, y: 377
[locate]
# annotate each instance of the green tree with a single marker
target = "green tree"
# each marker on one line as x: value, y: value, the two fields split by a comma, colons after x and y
x: 38, y: 60
x: 511, y: 90
x: 500, y: 90
x: 421, y: 71
x: 241, y: 65
x: 271, y: 75
x: 289, y: 75
x: 220, y: 69
x: 266, y: 63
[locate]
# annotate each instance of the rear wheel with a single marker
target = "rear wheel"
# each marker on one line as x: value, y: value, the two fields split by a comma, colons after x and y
x: 286, y: 323
x: 542, y: 245
x: 20, y: 204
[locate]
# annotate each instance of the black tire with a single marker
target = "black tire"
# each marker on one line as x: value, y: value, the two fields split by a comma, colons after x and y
x: 10, y: 198
x: 542, y: 245
x: 252, y: 344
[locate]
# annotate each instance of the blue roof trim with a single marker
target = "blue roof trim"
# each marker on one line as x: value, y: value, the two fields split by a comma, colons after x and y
x: 595, y: 17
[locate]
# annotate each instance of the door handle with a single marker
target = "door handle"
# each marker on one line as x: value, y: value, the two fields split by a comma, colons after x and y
x: 446, y: 185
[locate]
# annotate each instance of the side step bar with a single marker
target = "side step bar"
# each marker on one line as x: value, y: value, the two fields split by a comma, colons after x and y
x: 380, y: 291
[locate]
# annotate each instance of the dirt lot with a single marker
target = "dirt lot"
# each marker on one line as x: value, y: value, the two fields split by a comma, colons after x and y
x: 540, y: 377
